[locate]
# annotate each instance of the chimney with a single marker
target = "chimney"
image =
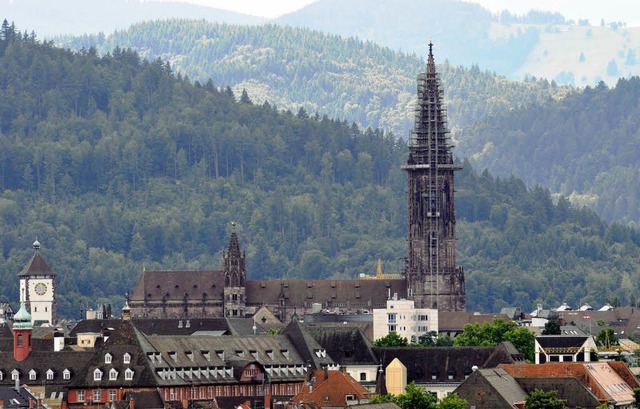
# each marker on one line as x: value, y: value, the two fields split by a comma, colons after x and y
x: 16, y: 385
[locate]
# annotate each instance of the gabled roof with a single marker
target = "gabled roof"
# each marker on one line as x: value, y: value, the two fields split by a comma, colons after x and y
x: 310, y: 350
x: 423, y: 364
x: 346, y: 345
x: 170, y: 326
x: 37, y: 266
x: 502, y: 383
x: 608, y: 380
x: 329, y: 389
x: 341, y: 294
x: 174, y: 285
x: 124, y: 340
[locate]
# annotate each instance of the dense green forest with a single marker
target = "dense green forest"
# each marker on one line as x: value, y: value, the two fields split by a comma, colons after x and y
x: 586, y: 146
x: 343, y: 78
x: 118, y: 164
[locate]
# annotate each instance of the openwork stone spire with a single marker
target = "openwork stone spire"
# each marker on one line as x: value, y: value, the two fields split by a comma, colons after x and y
x: 433, y: 279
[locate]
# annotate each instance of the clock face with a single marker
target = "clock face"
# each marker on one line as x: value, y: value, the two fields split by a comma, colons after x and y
x: 41, y: 288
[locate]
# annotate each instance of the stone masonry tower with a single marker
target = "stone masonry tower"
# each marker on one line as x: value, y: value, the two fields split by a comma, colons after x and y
x: 433, y: 279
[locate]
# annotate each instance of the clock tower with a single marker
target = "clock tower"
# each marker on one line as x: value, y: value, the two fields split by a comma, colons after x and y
x: 37, y: 289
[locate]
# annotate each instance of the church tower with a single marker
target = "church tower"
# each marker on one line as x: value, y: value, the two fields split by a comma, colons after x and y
x: 433, y: 278
x: 235, y: 276
x: 37, y: 289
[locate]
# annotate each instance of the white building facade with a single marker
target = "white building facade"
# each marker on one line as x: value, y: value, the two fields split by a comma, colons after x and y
x: 404, y: 319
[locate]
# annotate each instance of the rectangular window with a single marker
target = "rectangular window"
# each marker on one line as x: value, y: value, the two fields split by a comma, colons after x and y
x: 80, y: 396
x: 363, y: 376
x: 112, y: 395
x: 96, y: 395
x: 210, y: 392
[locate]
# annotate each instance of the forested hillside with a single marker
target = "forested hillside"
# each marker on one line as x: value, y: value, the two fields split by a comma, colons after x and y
x: 117, y: 164
x: 586, y: 145
x: 344, y: 78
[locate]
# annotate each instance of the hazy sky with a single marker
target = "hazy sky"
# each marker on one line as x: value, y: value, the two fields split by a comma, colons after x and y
x: 594, y: 10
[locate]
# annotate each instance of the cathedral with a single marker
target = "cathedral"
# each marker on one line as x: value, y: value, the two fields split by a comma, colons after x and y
x: 431, y: 278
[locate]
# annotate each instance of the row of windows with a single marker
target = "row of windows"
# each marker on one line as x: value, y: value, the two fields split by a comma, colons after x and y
x: 97, y: 395
x: 126, y: 358
x: 207, y: 392
x: 113, y: 374
x: 33, y: 375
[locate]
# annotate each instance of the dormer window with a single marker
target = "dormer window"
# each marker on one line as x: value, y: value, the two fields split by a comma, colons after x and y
x: 173, y: 356
x: 189, y: 355
x: 97, y: 375
x: 206, y: 355
x: 240, y: 353
x: 32, y: 375
x: 1, y: 376
x: 126, y: 358
x: 128, y: 374
x: 66, y: 374
x: 107, y: 358
x: 50, y: 374
x: 254, y: 354
x: 270, y: 353
x: 15, y: 375
x: 113, y: 374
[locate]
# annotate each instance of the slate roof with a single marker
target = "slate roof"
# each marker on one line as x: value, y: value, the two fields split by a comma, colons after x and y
x: 500, y: 381
x: 310, y: 350
x: 424, y: 363
x: 124, y: 340
x: 345, y: 345
x: 37, y: 266
x: 224, y: 352
x: 173, y: 285
x: 182, y: 326
x: 343, y: 294
x: 11, y: 398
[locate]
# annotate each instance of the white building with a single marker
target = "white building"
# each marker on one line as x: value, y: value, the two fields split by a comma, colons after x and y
x: 403, y: 318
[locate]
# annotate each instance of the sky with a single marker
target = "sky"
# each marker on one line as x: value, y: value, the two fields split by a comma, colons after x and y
x: 594, y: 10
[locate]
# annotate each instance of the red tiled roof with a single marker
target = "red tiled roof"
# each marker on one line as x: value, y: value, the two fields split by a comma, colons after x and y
x: 331, y: 391
x: 589, y: 374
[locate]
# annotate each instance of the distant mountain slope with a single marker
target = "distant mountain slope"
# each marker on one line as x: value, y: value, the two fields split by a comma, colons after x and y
x: 462, y: 30
x: 586, y: 145
x: 344, y: 78
x: 116, y: 164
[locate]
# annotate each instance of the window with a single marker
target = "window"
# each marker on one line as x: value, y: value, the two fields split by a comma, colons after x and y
x: 66, y: 375
x: 50, y: 375
x: 127, y: 358
x: 112, y: 395
x: 32, y: 375
x: 96, y: 395
x: 392, y: 328
x: 80, y: 396
x: 19, y: 340
x: 15, y: 375
x: 128, y: 374
x: 97, y: 375
x: 107, y: 358
x: 1, y: 376
x: 113, y: 374
x: 363, y: 376
x: 392, y: 318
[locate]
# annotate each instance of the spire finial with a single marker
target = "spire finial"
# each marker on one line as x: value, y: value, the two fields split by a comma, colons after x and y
x: 36, y: 245
x: 431, y: 65
x: 233, y: 226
